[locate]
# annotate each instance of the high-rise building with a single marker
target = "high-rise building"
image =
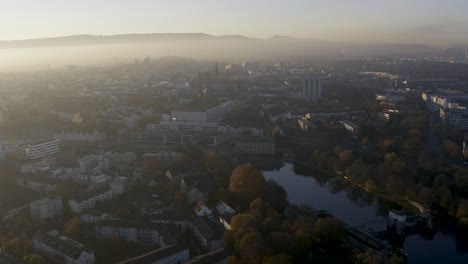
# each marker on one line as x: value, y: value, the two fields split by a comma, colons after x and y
x: 312, y: 88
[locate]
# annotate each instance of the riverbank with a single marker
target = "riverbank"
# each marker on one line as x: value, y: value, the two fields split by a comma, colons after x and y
x: 356, y: 207
x: 400, y: 201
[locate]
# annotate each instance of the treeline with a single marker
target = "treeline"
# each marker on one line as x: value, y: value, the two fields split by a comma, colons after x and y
x: 269, y: 230
x: 401, y: 162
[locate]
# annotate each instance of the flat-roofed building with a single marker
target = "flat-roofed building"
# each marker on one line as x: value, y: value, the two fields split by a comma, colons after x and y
x: 88, y: 199
x: 61, y: 249
x: 46, y: 208
x: 42, y: 148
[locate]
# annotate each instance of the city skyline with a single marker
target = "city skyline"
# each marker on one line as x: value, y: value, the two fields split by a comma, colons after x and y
x: 367, y: 21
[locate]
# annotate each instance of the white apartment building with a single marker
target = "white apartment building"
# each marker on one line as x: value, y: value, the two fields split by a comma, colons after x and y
x: 61, y: 249
x: 119, y: 185
x: 88, y: 199
x: 173, y: 254
x: 312, y: 88
x: 43, y: 185
x: 40, y: 167
x: 46, y: 208
x: 210, y: 115
x: 78, y: 136
x: 256, y: 145
x: 132, y: 232
x: 89, y: 162
x: 42, y: 149
x: 166, y: 157
x: 455, y: 117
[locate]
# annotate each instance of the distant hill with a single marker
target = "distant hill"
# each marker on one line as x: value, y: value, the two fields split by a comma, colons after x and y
x: 228, y: 44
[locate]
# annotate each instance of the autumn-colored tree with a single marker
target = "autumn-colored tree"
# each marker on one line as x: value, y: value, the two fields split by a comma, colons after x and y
x: 346, y: 156
x: 462, y: 210
x: 246, y: 181
x: 231, y: 260
x: 284, y: 259
x: 240, y: 221
x: 251, y: 247
x: 72, y: 226
x: 214, y: 162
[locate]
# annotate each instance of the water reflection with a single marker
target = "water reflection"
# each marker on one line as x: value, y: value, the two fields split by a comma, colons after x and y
x: 357, y: 207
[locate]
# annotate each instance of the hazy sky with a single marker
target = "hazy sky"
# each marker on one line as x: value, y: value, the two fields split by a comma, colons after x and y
x: 428, y: 21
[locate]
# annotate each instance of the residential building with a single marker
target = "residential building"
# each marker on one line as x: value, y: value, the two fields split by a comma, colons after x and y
x: 46, y: 208
x: 93, y: 216
x: 206, y: 233
x: 61, y: 249
x: 201, y: 210
x: 119, y: 185
x: 173, y: 254
x: 87, y: 199
x: 166, y: 158
x: 351, y: 127
x: 42, y: 148
x: 40, y: 184
x: 40, y: 167
x: 144, y: 233
x: 80, y: 136
x: 256, y: 145
x: 89, y: 162
x: 312, y: 88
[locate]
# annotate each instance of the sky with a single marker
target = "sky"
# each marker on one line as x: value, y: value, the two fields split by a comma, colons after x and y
x: 410, y: 21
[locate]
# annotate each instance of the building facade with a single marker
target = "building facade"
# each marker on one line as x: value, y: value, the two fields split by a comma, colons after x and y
x: 61, y: 249
x: 42, y: 149
x: 46, y: 208
x: 312, y: 88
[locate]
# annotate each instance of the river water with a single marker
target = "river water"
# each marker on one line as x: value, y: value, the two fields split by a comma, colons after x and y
x: 356, y: 207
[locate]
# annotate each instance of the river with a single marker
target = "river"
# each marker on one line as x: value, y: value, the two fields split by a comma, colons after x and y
x: 356, y: 207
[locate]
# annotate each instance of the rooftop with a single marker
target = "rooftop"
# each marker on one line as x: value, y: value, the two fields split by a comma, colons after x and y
x: 62, y: 244
x: 85, y: 195
x: 152, y: 256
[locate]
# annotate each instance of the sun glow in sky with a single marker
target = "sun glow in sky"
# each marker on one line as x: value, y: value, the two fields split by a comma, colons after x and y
x: 348, y: 20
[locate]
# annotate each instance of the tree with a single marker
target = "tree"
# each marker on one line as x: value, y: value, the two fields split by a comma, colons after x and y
x: 231, y: 260
x: 462, y: 210
x: 284, y: 259
x: 328, y: 229
x: 251, y: 247
x: 72, y: 226
x: 461, y: 180
x: 451, y: 149
x: 240, y: 221
x: 229, y: 239
x: 246, y: 181
x: 275, y: 195
x: 14, y: 246
x: 34, y: 259
x: 370, y: 186
x: 346, y: 156
x: 214, y: 162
